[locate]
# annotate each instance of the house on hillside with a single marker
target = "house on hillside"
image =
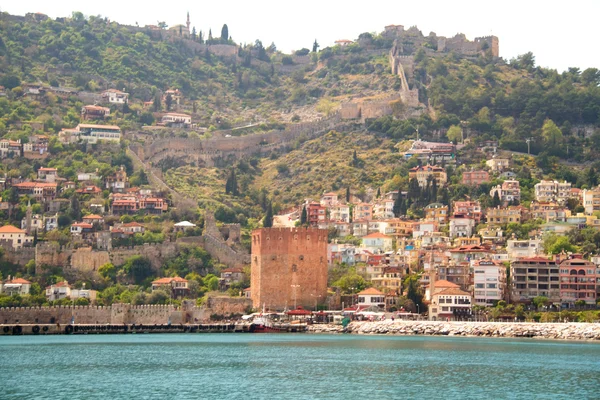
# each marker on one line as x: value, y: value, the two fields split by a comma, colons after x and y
x: 14, y: 237
x: 115, y: 96
x: 94, y: 112
x: 177, y: 287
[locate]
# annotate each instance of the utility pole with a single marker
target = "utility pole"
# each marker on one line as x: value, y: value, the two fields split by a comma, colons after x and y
x: 528, y: 140
x: 295, y: 288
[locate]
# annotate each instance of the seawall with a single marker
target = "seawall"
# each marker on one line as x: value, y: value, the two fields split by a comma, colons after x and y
x: 562, y: 331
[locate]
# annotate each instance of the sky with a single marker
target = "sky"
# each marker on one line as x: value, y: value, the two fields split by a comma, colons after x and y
x: 561, y: 34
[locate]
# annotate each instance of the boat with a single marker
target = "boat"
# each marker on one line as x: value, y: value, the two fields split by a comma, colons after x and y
x: 263, y: 324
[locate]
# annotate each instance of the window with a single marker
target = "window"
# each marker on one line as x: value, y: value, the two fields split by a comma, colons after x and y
x: 294, y: 268
x: 301, y: 257
x: 479, y: 285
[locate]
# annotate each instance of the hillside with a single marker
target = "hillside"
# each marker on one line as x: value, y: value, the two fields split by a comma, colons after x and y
x: 224, y: 85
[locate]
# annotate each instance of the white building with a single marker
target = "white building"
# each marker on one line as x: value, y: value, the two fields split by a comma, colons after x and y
x: 489, y: 280
x: 16, y: 237
x: 329, y: 199
x: 93, y: 133
x: 383, y: 209
x: 60, y: 290
x: 115, y: 96
x: 591, y: 200
x: 339, y: 212
x: 524, y: 248
x: 176, y: 118
x: 552, y: 191
x: 448, y: 302
x: 18, y: 286
x: 508, y: 191
x: 461, y: 227
x: 371, y: 297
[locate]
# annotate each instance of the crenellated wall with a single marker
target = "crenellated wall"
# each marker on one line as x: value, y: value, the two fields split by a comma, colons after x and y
x: 126, y: 313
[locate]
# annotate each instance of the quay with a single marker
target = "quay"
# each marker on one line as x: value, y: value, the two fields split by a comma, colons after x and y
x: 82, y: 329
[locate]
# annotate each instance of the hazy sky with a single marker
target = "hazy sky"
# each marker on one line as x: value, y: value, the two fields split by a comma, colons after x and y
x: 560, y: 34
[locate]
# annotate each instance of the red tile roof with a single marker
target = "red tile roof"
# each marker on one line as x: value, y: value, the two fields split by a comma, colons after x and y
x: 168, y: 280
x: 20, y: 280
x: 11, y: 229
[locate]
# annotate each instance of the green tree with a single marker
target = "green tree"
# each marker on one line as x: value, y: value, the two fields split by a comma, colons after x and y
x: 315, y: 46
x: 412, y: 289
x: 138, y: 268
x: 212, y: 282
x: 540, y: 301
x: 303, y: 216
x: 562, y: 243
x: 347, y: 194
x: 224, y: 33
x: 108, y: 271
x: 454, y: 134
x: 552, y: 134
x: 268, y: 221
x: 351, y: 282
x: 496, y: 200
x: 168, y: 102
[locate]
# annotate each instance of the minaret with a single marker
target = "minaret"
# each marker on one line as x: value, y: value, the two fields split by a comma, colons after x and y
x: 188, y: 23
x: 28, y: 218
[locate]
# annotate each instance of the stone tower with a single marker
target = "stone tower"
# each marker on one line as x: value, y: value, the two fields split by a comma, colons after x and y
x: 188, y: 22
x: 289, y: 267
x: 28, y: 218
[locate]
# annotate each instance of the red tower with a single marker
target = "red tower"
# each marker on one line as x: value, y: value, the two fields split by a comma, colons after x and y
x: 289, y: 268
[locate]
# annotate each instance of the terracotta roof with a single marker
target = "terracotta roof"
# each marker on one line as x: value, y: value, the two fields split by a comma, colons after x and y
x: 60, y: 284
x: 131, y: 225
x: 47, y: 169
x: 10, y: 229
x: 452, y: 292
x: 20, y: 280
x: 31, y: 185
x: 442, y: 283
x: 370, y: 291
x: 83, y: 225
x: 92, y: 216
x: 168, y: 280
x: 96, y: 108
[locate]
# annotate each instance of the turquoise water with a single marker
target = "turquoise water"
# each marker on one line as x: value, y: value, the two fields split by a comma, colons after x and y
x: 294, y: 366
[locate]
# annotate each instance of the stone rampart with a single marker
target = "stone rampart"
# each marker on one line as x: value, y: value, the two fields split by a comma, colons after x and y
x: 20, y: 257
x: 209, y: 150
x: 156, y: 253
x: 55, y: 315
x: 218, y: 249
x: 85, y: 259
x: 125, y: 313
x: 226, y: 306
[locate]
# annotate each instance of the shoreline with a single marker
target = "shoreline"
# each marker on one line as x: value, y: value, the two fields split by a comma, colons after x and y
x: 582, y: 331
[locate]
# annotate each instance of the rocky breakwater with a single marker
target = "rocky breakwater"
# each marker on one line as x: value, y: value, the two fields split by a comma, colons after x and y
x: 563, y: 331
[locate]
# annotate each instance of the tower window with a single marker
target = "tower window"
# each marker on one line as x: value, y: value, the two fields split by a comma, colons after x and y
x: 301, y: 257
x: 294, y: 268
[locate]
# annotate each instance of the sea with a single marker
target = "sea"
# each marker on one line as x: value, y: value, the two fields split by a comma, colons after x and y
x: 295, y: 366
